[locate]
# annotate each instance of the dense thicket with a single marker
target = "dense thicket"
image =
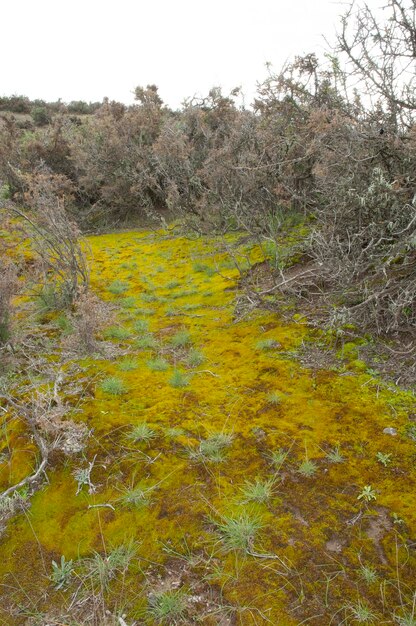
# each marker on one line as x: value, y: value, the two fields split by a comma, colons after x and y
x: 342, y: 157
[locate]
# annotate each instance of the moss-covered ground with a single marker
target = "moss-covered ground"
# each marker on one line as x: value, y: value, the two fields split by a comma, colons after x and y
x: 251, y: 489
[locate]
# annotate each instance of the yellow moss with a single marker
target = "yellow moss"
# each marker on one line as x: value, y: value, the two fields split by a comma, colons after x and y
x: 190, y: 285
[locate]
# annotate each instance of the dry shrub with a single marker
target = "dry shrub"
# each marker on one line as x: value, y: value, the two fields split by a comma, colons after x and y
x: 8, y: 288
x: 89, y: 317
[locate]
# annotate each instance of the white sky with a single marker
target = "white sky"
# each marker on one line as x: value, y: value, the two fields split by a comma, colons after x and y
x: 88, y: 49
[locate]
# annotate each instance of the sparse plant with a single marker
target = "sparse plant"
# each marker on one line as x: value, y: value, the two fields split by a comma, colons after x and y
x: 360, y: 612
x: 274, y: 398
x: 146, y: 342
x: 118, y: 287
x: 267, y: 344
x: 258, y: 491
x: 172, y: 433
x: 367, y: 494
x: 181, y: 339
x: 136, y: 497
x: 158, y: 365
x: 368, y: 574
x: 278, y: 457
x: 384, y: 458
x: 212, y: 449
x: 82, y: 476
x: 308, y: 468
x: 141, y: 432
x: 103, y: 569
x: 168, y: 607
x: 127, y: 365
x: 334, y: 455
x: 141, y: 326
x: 238, y: 532
x: 179, y: 379
x: 195, y: 358
x: 113, y: 386
x: 117, y: 332
x: 61, y: 573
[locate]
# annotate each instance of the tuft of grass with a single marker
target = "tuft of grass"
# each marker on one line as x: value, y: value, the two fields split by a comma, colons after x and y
x: 141, y: 432
x: 158, y: 365
x: 118, y: 287
x: 64, y: 324
x: 168, y: 607
x: 102, y: 569
x: 267, y: 344
x: 307, y: 468
x: 335, y: 456
x: 238, y: 532
x: 212, y: 449
x: 136, y: 497
x: 278, y: 457
x: 149, y: 297
x: 179, y: 379
x: 147, y: 342
x: 127, y: 365
x: 361, y: 612
x: 173, y: 432
x: 274, y: 398
x: 368, y: 574
x: 181, y: 339
x: 113, y: 385
x: 258, y: 491
x: 195, y: 358
x: 141, y: 326
x: 117, y: 332
x: 128, y: 303
x: 145, y: 311
x: 173, y: 284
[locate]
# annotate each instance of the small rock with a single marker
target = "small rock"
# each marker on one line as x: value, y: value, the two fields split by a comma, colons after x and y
x: 390, y: 431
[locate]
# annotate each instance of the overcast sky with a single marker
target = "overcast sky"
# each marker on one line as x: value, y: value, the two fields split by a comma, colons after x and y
x: 88, y: 49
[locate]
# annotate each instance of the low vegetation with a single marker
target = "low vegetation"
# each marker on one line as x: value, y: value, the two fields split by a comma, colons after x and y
x: 212, y: 421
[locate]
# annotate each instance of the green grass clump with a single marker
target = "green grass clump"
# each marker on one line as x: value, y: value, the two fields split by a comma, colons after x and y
x: 114, y: 386
x: 181, y: 339
x: 267, y: 344
x: 179, y: 379
x: 149, y: 297
x: 136, y: 497
x: 141, y: 326
x: 172, y: 433
x: 258, y: 491
x: 128, y: 303
x: 278, y: 457
x: 157, y: 365
x: 274, y: 398
x: 335, y: 456
x: 127, y: 365
x: 195, y: 358
x: 64, y: 324
x: 173, y: 284
x: 118, y: 287
x: 212, y: 449
x: 145, y: 311
x: 117, y: 332
x: 168, y: 607
x: 238, y: 532
x: 141, y: 432
x: 307, y: 468
x: 147, y: 342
